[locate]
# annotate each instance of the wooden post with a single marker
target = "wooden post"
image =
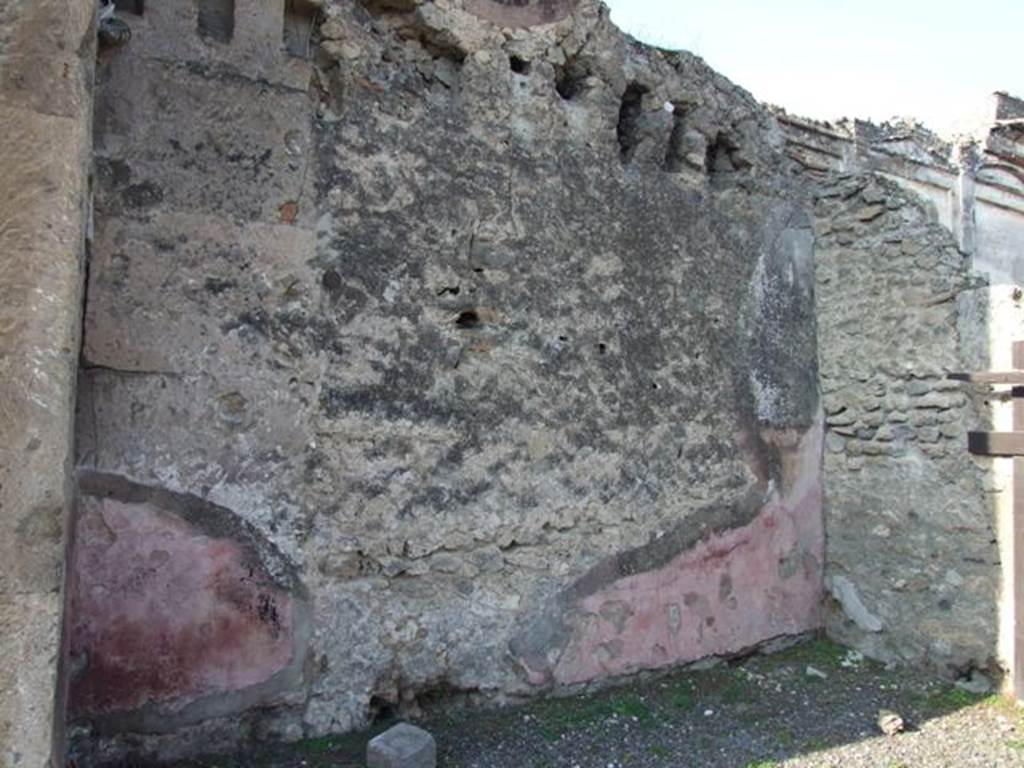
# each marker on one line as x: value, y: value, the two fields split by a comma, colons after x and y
x: 1009, y: 444
x: 1017, y: 539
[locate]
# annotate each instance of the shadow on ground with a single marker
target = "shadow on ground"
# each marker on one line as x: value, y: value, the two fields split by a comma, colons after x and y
x: 813, y: 704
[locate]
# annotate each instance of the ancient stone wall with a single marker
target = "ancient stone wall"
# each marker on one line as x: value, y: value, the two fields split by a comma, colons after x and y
x: 453, y: 359
x: 917, y: 259
x: 974, y: 185
x: 470, y: 348
x: 46, y: 65
x: 913, y: 557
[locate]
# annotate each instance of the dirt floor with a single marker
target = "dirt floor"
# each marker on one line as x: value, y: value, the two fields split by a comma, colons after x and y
x: 816, y: 704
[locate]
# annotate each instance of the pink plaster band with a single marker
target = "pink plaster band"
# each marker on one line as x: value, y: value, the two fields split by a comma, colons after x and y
x: 164, y: 613
x: 730, y: 592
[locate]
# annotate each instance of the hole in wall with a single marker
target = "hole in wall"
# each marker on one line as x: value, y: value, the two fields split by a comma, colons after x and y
x: 216, y: 20
x: 723, y: 156
x: 628, y: 126
x: 519, y: 65
x: 571, y: 80
x: 299, y: 21
x: 718, y: 160
x: 134, y: 7
x: 383, y: 711
x: 468, y: 318
x: 332, y: 282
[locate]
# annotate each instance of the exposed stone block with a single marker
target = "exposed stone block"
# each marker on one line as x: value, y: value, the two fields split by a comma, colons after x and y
x: 403, y: 746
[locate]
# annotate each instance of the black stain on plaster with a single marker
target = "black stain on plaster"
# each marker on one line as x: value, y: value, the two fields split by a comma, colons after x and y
x: 143, y: 195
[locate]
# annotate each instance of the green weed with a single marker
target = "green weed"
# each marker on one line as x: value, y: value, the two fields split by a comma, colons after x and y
x: 318, y: 746
x: 820, y: 653
x: 946, y: 699
x: 631, y: 706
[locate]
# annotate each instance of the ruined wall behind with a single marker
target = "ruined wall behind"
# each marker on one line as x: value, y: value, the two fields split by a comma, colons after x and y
x: 974, y: 185
x: 913, y: 558
x: 477, y: 360
x: 918, y: 251
x: 46, y: 65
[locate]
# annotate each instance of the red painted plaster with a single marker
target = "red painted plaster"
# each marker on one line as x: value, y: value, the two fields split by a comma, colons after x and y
x: 730, y: 592
x: 163, y: 613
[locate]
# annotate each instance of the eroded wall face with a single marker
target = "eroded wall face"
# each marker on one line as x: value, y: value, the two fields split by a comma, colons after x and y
x: 46, y: 64
x: 500, y: 347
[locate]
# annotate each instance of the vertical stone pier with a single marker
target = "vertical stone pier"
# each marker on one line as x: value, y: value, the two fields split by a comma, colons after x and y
x: 47, y: 54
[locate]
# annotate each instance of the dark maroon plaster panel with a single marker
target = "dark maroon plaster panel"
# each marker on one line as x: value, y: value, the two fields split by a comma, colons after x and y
x: 165, y: 613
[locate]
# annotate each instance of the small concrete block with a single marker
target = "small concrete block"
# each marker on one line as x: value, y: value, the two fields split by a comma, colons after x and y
x: 404, y: 746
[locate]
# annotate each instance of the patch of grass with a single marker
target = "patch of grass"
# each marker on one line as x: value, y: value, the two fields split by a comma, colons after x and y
x: 559, y: 716
x: 814, y: 745
x: 682, y: 697
x: 784, y: 737
x: 727, y: 684
x: 749, y: 717
x: 659, y: 751
x: 733, y: 692
x: 679, y: 693
x: 1017, y: 745
x: 763, y: 764
x: 326, y: 750
x: 319, y: 746
x: 630, y: 705
x: 820, y: 653
x: 556, y: 717
x: 1007, y: 707
x: 946, y: 699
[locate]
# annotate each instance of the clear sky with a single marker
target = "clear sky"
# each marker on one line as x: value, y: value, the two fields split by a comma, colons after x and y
x: 936, y: 60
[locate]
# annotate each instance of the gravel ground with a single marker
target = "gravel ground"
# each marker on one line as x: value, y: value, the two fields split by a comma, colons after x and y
x: 813, y: 705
